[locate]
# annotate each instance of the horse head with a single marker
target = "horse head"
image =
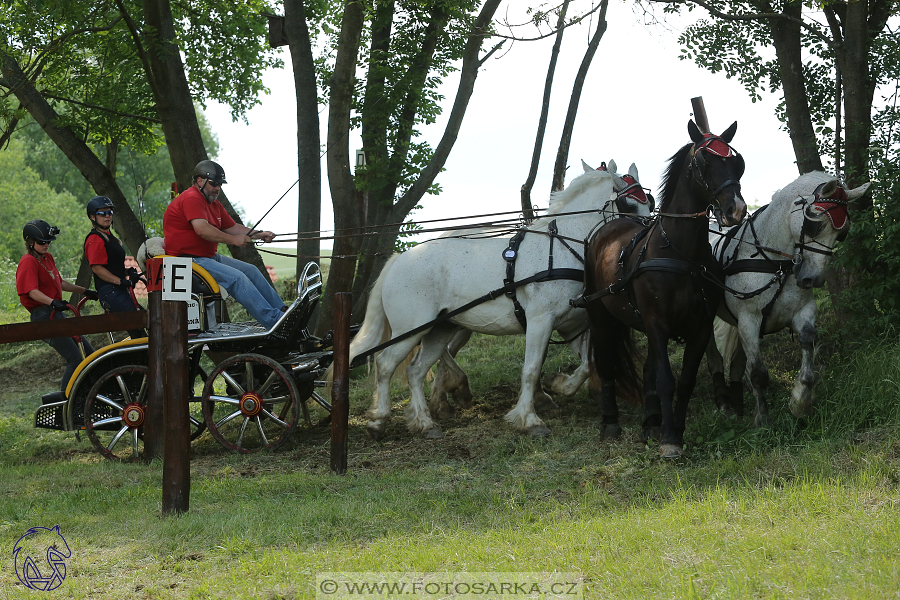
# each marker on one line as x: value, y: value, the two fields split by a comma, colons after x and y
x: 820, y: 221
x: 717, y: 169
x: 630, y: 198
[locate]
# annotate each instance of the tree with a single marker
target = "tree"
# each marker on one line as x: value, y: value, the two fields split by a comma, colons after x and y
x: 111, y: 72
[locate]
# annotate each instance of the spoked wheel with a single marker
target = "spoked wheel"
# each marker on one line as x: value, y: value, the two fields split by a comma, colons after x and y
x: 251, y: 403
x: 198, y: 425
x: 115, y: 411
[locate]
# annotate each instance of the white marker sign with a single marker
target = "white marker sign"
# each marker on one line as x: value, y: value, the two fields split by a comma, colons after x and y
x: 176, y: 284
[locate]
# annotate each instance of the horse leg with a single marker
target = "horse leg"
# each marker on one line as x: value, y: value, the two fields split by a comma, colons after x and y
x: 567, y: 385
x: 736, y: 379
x: 690, y: 364
x: 418, y: 419
x: 522, y: 416
x: 802, y: 396
x: 756, y: 369
x: 716, y: 365
x: 652, y: 424
x: 385, y: 363
x: 450, y: 380
x: 669, y: 440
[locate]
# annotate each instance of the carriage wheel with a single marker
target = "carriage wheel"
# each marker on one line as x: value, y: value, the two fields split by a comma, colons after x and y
x: 115, y: 411
x: 198, y: 425
x: 251, y: 403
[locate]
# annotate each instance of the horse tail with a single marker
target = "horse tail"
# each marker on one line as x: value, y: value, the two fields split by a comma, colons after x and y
x: 614, y: 351
x: 727, y: 340
x: 614, y: 354
x: 375, y: 328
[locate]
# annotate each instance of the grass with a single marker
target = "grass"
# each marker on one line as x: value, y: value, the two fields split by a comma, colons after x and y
x: 798, y: 510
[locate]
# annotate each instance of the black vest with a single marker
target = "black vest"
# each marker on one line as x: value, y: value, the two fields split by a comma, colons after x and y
x: 115, y: 256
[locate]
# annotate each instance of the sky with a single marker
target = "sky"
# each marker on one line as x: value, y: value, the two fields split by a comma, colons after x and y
x: 634, y: 108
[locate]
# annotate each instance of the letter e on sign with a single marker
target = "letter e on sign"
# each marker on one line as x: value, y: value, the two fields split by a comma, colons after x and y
x: 176, y: 279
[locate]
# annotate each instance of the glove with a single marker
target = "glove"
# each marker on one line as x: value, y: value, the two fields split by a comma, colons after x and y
x: 59, y: 305
x: 126, y: 283
x: 91, y: 295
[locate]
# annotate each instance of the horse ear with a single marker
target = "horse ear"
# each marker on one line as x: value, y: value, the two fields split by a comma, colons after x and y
x: 618, y: 182
x: 728, y: 134
x: 632, y: 170
x: 587, y: 168
x: 829, y: 189
x: 858, y: 192
x: 694, y: 132
x: 611, y: 165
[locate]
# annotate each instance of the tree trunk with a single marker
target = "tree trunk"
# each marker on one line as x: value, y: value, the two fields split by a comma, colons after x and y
x: 525, y: 191
x: 787, y: 40
x: 309, y: 204
x: 398, y: 212
x: 165, y: 71
x: 340, y: 179
x: 562, y: 153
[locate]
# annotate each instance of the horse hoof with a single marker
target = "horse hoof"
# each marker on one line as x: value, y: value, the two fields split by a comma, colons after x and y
x: 442, y: 410
x: 610, y: 432
x: 538, y: 431
x: 434, y: 433
x: 670, y: 451
x: 375, y: 433
x: 651, y: 433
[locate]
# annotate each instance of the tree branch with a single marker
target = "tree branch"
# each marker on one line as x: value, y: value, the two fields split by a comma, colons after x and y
x: 96, y: 107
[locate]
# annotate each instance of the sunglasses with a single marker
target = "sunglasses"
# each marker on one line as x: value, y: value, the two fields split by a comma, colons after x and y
x: 104, y: 213
x: 212, y: 183
x: 40, y: 243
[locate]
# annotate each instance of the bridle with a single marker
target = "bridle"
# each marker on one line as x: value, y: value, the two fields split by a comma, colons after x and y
x: 716, y: 146
x: 837, y: 203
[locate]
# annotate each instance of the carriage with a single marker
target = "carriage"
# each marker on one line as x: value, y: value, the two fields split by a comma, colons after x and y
x: 253, y: 398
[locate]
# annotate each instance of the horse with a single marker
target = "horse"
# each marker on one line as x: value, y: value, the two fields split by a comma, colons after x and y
x: 772, y: 263
x: 490, y: 285
x: 451, y: 381
x: 661, y: 280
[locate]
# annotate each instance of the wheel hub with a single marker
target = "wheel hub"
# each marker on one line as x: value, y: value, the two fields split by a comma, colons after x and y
x: 251, y: 404
x: 133, y: 415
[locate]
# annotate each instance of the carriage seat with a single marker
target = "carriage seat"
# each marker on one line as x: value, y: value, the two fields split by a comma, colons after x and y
x: 204, y: 287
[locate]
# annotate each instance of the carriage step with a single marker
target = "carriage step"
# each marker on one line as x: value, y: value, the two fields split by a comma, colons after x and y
x: 50, y: 416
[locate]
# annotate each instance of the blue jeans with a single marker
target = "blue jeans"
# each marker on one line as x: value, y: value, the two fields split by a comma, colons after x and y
x: 247, y: 285
x: 115, y: 299
x: 66, y: 346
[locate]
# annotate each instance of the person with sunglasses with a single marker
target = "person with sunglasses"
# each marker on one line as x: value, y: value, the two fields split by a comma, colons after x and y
x: 40, y: 288
x: 106, y: 256
x: 194, y: 225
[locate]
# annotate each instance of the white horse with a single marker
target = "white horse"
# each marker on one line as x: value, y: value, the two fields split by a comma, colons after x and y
x: 451, y: 381
x: 439, y: 276
x: 776, y: 257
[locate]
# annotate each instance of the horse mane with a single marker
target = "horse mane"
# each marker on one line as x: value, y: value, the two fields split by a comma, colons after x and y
x: 672, y: 174
x: 559, y: 200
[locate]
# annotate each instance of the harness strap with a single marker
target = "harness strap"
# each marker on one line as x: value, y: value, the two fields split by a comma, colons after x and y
x: 670, y: 265
x: 549, y: 275
x: 510, y: 255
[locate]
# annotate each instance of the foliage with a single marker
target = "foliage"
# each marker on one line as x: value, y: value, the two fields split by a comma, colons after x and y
x: 26, y: 196
x: 872, y: 252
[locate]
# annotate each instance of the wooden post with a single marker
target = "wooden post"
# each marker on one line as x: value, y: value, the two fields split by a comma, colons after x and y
x: 177, y: 453
x: 340, y: 388
x: 700, y: 114
x: 154, y: 428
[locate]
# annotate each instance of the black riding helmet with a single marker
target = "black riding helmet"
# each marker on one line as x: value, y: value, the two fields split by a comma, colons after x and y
x: 98, y: 203
x: 40, y: 231
x: 211, y: 171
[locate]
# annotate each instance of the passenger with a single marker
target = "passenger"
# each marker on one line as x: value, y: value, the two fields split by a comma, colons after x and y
x: 107, y: 259
x: 40, y: 289
x: 194, y: 225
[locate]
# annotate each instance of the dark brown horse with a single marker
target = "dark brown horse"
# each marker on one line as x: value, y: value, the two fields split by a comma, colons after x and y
x: 659, y: 280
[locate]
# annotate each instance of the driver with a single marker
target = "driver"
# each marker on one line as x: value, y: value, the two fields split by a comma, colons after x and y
x: 194, y: 225
x: 40, y: 289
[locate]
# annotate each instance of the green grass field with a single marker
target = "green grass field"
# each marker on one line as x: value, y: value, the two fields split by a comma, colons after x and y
x: 798, y: 510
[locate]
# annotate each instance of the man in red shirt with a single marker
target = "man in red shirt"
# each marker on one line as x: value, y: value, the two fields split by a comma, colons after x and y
x: 194, y: 225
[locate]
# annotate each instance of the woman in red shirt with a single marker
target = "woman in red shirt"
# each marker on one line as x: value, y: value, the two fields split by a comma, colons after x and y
x: 40, y: 289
